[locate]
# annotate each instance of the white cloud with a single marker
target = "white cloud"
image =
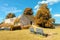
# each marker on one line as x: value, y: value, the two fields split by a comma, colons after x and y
x: 36, y: 8
x: 6, y: 9
x: 10, y: 9
x: 57, y: 15
x: 50, y: 9
x: 13, y: 10
x: 57, y: 18
x: 41, y: 2
x: 49, y: 2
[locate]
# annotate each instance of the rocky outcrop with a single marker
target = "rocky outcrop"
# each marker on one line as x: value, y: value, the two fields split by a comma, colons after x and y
x: 27, y: 18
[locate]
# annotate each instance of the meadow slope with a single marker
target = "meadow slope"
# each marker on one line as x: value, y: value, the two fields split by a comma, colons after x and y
x: 27, y: 35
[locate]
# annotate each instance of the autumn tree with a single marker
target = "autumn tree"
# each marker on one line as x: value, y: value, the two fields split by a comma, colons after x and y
x: 28, y: 11
x: 43, y: 17
x: 10, y: 15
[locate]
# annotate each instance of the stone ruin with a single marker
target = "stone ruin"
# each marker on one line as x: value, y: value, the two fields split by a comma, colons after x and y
x: 27, y: 18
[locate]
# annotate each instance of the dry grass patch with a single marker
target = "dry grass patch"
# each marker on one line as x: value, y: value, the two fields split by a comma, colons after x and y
x: 27, y: 35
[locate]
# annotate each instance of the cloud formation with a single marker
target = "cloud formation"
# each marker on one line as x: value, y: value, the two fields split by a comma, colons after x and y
x: 6, y: 9
x: 49, y: 2
x: 57, y: 18
x: 13, y: 10
x: 57, y: 15
x: 10, y: 9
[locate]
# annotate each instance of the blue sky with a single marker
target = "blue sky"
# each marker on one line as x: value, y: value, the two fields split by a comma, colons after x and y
x: 17, y: 7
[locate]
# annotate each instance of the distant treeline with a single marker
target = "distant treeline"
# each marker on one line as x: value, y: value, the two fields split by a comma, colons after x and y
x: 57, y: 24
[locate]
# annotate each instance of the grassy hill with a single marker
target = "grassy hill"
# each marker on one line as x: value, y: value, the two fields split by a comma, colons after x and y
x: 27, y: 35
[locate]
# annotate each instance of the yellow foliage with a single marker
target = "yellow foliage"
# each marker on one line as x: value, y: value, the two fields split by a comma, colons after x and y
x: 43, y: 17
